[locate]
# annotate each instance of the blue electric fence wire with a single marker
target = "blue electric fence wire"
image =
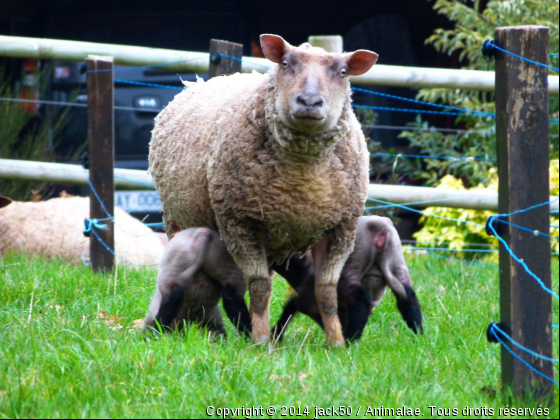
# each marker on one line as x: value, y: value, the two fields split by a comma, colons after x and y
x: 534, y: 232
x: 130, y: 82
x: 469, y: 159
x: 116, y: 256
x: 84, y: 257
x: 247, y: 61
x: 525, y: 349
x: 420, y: 248
x: 440, y: 200
x: 463, y: 261
x: 135, y: 182
x: 153, y: 224
x: 524, y: 362
x: 428, y: 215
x: 531, y: 208
x: 554, y: 325
x: 481, y: 113
x: 553, y: 55
x: 525, y: 59
x: 149, y: 65
x: 99, y: 199
x: 416, y: 111
x: 520, y: 261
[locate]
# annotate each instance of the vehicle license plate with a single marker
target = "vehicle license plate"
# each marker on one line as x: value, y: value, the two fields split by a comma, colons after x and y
x: 138, y: 201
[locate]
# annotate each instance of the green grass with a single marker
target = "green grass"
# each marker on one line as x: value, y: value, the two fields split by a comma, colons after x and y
x: 59, y: 359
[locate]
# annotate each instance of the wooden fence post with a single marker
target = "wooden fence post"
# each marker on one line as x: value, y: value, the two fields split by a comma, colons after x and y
x: 522, y: 136
x: 101, y: 133
x: 330, y: 43
x: 220, y: 64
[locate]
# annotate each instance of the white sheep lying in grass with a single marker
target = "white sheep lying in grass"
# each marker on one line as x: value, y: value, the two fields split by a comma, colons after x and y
x: 54, y: 229
x: 276, y: 162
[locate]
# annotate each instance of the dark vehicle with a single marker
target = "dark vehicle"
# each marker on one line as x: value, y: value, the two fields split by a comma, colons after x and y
x: 140, y: 93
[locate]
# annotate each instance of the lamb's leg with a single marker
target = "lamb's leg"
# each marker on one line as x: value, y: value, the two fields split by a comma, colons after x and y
x: 171, y: 302
x: 358, y: 302
x: 290, y: 309
x: 214, y: 321
x: 236, y: 308
x: 410, y: 310
x: 327, y: 272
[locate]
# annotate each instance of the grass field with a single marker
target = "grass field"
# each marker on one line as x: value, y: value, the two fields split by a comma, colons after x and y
x: 69, y: 348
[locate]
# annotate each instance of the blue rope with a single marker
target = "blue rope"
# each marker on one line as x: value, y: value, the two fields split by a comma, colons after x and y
x: 154, y: 224
x: 508, y: 249
x: 90, y: 223
x: 429, y: 215
x: 433, y: 157
x: 148, y: 84
x: 553, y: 55
x: 525, y: 349
x: 116, y: 256
x: 463, y: 261
x: 554, y: 325
x: 524, y: 362
x: 135, y: 182
x: 482, y: 113
x: 416, y: 111
x: 525, y: 59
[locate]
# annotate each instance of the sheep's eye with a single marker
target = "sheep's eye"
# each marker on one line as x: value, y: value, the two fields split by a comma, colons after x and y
x: 343, y: 72
x: 285, y: 64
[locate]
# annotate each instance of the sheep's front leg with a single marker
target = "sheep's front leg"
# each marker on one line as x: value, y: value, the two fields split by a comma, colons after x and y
x: 329, y: 257
x: 260, y: 287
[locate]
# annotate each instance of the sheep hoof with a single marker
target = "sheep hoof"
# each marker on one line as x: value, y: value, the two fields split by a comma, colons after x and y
x: 337, y: 344
x: 262, y: 339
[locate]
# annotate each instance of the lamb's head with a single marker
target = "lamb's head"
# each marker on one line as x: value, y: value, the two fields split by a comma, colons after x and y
x: 311, y: 85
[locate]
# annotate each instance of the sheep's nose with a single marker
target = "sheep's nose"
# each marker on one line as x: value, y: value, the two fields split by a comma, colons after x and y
x: 310, y: 100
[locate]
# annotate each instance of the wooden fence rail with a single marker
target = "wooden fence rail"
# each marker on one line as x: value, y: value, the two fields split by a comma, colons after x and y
x: 197, y: 62
x: 132, y: 179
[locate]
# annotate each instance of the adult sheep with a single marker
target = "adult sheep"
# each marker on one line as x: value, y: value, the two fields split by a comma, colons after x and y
x: 276, y: 162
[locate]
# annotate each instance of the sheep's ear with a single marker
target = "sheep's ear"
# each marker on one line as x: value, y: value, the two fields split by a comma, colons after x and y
x: 360, y: 62
x: 4, y: 201
x: 274, y: 47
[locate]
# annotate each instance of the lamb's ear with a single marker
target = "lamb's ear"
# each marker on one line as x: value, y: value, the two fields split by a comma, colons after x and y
x: 4, y: 201
x: 274, y: 47
x: 359, y: 62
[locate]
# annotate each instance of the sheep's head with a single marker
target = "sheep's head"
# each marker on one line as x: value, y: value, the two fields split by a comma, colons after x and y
x: 312, y: 85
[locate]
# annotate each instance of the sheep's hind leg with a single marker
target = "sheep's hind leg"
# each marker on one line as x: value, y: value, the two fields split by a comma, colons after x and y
x: 260, y: 288
x: 327, y: 272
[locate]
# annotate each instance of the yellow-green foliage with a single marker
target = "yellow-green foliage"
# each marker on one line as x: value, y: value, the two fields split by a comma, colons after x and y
x: 456, y: 235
